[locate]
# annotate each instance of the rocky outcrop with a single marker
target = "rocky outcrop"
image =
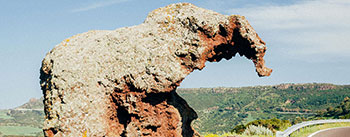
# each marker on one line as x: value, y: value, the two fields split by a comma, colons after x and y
x: 122, y: 82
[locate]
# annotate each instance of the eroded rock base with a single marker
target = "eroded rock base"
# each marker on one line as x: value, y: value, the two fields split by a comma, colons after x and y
x: 150, y: 114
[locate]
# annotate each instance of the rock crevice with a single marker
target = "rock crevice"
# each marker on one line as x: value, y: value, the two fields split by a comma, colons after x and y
x: 122, y: 82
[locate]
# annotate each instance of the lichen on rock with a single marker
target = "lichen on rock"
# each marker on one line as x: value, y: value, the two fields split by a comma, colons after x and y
x: 122, y: 82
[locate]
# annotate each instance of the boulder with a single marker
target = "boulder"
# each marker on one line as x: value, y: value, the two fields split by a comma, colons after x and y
x: 123, y: 82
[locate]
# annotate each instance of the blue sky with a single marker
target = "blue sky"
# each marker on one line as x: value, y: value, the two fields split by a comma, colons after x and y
x: 308, y: 41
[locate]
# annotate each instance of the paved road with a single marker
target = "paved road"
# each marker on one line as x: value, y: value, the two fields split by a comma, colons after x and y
x: 333, y: 132
x: 296, y: 127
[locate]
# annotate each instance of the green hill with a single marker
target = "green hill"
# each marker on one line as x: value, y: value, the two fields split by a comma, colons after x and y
x: 25, y: 120
x: 219, y: 109
x: 341, y: 111
x: 33, y: 103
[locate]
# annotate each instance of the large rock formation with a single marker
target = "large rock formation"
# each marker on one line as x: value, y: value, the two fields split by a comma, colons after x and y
x: 122, y: 82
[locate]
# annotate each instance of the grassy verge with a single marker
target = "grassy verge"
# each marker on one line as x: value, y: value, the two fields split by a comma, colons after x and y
x: 19, y: 130
x: 232, y: 135
x: 304, y: 132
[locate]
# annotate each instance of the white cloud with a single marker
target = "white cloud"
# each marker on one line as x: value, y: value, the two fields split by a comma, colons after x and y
x: 310, y: 28
x: 302, y: 15
x: 98, y: 5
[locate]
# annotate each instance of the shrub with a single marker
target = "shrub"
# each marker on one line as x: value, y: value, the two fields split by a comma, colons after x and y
x: 273, y: 124
x: 257, y: 130
x: 239, y: 129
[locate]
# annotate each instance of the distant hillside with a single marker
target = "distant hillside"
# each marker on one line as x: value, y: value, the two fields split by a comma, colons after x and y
x: 341, y: 111
x: 219, y: 109
x: 25, y: 120
x: 33, y: 104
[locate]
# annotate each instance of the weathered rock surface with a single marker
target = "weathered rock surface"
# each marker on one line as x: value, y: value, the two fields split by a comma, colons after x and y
x: 122, y: 82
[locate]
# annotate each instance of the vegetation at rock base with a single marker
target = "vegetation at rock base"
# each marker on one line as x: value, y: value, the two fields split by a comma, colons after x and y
x: 222, y: 109
x: 257, y: 130
x: 272, y: 124
x: 232, y: 135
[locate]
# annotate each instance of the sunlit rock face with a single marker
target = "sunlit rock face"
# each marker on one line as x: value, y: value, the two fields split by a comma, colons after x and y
x: 122, y: 82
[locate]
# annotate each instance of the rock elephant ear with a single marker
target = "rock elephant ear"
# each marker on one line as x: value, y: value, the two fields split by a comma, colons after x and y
x: 235, y: 37
x: 122, y: 82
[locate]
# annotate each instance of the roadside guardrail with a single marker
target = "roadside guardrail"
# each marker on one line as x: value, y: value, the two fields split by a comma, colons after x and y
x: 296, y: 127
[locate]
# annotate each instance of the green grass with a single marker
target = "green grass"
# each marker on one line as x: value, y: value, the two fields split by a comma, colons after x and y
x: 19, y: 130
x: 231, y: 134
x: 3, y: 115
x: 309, y: 130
